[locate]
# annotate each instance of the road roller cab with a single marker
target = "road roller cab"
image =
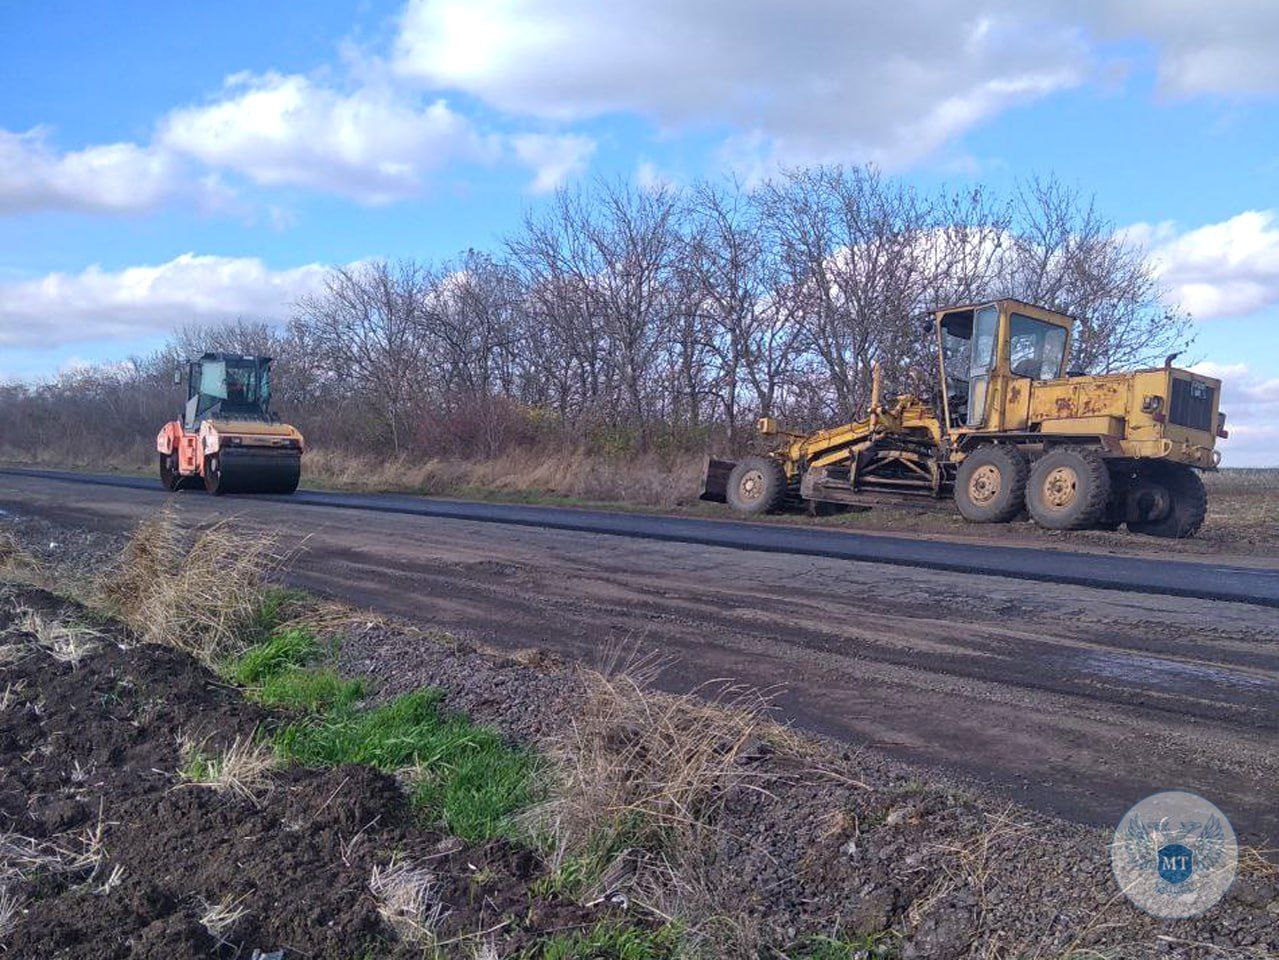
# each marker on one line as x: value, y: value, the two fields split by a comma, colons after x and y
x: 227, y: 439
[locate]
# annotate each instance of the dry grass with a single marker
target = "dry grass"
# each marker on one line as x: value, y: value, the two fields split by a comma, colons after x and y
x: 243, y: 768
x: 10, y: 911
x: 534, y: 474
x: 16, y: 562
x: 196, y: 592
x: 220, y: 918
x: 65, y: 642
x: 656, y: 759
x: 23, y: 858
x: 1257, y: 863
x: 641, y: 777
x: 408, y: 899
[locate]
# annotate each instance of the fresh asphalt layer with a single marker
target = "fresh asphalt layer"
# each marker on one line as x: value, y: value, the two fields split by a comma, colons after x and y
x: 1149, y: 575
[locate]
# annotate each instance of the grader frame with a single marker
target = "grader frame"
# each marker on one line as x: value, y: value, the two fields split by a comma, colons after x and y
x: 1010, y: 430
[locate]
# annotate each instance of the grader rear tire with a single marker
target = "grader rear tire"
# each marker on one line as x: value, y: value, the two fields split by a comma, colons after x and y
x: 990, y: 485
x: 1069, y: 489
x: 1188, y: 503
x: 756, y: 486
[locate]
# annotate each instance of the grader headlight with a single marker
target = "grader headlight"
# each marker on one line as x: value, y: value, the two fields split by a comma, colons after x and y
x: 1152, y: 403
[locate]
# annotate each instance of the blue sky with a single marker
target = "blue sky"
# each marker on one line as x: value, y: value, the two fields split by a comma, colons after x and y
x: 167, y: 162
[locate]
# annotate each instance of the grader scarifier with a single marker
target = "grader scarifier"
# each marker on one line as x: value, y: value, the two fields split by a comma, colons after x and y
x: 1010, y: 431
x: 228, y: 439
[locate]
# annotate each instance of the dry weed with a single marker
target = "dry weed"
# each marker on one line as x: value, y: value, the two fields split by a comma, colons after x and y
x: 197, y: 593
x: 243, y: 768
x: 113, y: 880
x: 65, y: 642
x: 22, y: 858
x: 641, y: 778
x: 16, y: 562
x: 1258, y: 863
x: 555, y: 471
x: 408, y: 899
x: 652, y: 758
x: 220, y: 918
x: 10, y: 911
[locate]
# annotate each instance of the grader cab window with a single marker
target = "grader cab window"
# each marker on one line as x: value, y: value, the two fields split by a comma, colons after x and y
x: 968, y: 351
x: 957, y: 353
x: 1036, y: 349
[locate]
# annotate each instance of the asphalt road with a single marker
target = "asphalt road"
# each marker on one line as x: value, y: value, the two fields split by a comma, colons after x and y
x: 1127, y: 573
x: 965, y: 658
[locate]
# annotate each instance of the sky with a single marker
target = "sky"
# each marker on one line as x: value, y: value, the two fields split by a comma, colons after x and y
x: 168, y: 163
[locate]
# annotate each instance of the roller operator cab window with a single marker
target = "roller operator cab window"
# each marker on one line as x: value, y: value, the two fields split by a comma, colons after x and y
x: 229, y: 388
x: 1036, y: 348
x: 240, y: 382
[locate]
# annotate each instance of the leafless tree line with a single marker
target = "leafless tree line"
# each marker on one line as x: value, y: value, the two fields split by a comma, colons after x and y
x: 634, y: 316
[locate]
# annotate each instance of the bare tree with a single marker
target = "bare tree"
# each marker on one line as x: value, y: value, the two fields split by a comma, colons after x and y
x: 366, y: 329
x: 629, y: 313
x: 1066, y: 255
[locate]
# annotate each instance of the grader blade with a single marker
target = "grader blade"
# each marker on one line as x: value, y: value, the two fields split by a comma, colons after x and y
x: 715, y: 480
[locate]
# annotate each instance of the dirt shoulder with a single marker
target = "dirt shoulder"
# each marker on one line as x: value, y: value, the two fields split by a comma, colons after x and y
x: 786, y: 846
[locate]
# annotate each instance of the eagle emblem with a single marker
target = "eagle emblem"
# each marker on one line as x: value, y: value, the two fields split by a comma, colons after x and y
x: 1174, y: 854
x: 1174, y: 850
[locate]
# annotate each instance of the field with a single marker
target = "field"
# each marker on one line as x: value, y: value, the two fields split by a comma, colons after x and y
x: 187, y: 771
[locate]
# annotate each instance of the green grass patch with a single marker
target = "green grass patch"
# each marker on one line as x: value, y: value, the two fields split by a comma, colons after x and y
x: 581, y: 871
x: 273, y: 656
x: 273, y: 610
x: 607, y: 941
x: 308, y: 690
x: 469, y: 778
x: 200, y: 768
x: 277, y: 673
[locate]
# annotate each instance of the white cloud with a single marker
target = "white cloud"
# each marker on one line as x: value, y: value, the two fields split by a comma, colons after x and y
x: 1227, y: 46
x: 370, y: 144
x: 553, y: 158
x: 1251, y: 403
x: 826, y: 78
x: 62, y: 308
x: 1227, y: 269
x: 111, y: 178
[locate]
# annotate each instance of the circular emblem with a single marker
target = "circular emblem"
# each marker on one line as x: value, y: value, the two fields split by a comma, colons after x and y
x: 1174, y: 854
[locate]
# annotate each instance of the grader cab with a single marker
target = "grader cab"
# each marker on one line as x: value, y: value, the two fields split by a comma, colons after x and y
x: 1010, y: 430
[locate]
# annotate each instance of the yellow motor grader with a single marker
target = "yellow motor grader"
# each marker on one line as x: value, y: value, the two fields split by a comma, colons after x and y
x: 1010, y: 431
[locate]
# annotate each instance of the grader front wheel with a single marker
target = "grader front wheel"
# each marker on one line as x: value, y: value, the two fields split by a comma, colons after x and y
x: 990, y: 485
x: 756, y: 486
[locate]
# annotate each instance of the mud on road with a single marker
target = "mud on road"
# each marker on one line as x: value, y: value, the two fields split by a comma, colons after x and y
x: 1075, y: 701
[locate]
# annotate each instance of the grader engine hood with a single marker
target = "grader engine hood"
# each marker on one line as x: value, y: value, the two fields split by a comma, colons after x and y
x: 1164, y: 413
